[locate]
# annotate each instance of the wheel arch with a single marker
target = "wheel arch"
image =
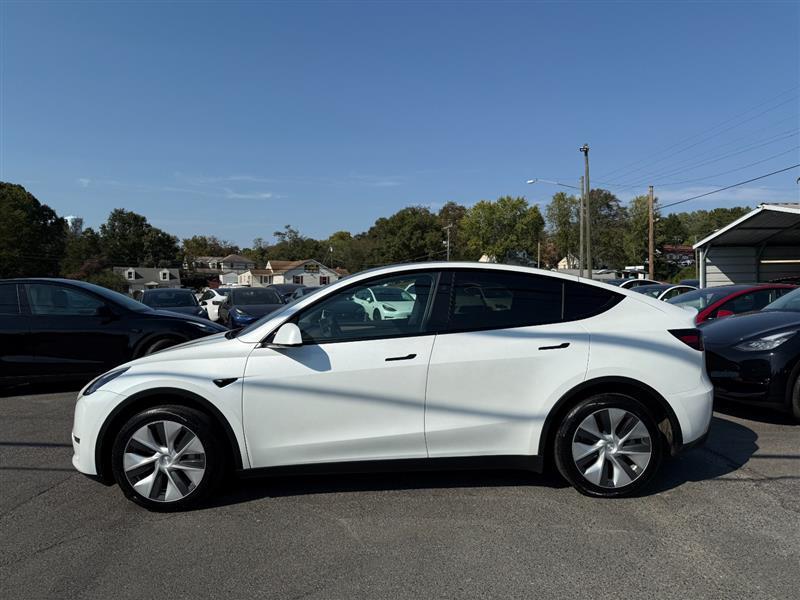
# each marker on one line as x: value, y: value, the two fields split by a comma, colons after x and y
x: 667, y: 419
x: 148, y: 399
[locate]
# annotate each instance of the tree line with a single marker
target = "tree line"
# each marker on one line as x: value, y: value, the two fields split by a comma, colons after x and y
x: 35, y: 241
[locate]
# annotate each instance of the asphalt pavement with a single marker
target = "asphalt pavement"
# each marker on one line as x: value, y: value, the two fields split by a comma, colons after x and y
x: 723, y: 521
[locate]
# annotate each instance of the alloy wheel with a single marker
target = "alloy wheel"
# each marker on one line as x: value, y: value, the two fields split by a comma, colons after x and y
x: 164, y: 461
x: 611, y: 448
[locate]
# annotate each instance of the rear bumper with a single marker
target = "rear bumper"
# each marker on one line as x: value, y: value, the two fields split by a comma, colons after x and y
x: 693, y: 410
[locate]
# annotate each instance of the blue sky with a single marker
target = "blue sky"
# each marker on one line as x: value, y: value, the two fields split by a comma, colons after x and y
x: 234, y: 119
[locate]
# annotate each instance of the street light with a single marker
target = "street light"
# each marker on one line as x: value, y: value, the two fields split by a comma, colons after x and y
x: 580, y: 216
x: 537, y: 180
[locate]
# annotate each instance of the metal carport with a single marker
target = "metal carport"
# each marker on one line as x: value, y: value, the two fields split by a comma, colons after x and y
x: 761, y: 246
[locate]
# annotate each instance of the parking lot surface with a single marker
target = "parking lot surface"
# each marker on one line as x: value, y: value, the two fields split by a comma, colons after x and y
x: 723, y: 521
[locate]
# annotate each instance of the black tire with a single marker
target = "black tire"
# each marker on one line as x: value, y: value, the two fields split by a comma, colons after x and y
x: 159, y: 344
x: 795, y: 398
x: 376, y: 315
x: 567, y: 464
x: 197, y: 423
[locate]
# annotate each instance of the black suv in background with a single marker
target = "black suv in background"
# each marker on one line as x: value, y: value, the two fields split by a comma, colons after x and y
x: 60, y: 329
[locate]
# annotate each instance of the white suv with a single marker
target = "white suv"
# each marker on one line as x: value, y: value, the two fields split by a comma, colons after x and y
x: 507, y: 365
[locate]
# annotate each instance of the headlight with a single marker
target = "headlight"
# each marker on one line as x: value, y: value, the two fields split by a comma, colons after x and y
x: 102, y: 380
x: 768, y: 342
x: 389, y: 308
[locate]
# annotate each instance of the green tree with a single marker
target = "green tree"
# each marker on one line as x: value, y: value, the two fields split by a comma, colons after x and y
x: 32, y: 235
x: 636, y: 233
x: 291, y: 245
x: 411, y: 234
x: 673, y: 230
x: 128, y: 239
x: 452, y: 214
x: 507, y: 229
x: 562, y: 216
x: 206, y: 245
x: 608, y: 222
x: 80, y: 247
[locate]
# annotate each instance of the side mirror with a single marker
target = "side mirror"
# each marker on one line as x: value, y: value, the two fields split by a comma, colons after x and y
x: 288, y: 335
x: 204, y: 303
x: 724, y: 313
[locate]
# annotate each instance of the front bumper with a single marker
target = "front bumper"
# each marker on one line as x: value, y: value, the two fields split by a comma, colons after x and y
x: 750, y: 377
x: 90, y: 414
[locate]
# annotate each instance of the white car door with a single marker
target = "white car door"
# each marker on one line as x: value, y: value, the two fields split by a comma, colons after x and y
x: 509, y: 355
x: 354, y: 391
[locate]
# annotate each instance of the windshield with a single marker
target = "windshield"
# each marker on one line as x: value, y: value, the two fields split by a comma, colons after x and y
x: 651, y: 290
x: 250, y: 296
x: 700, y: 299
x: 389, y: 294
x: 790, y: 301
x: 169, y: 298
x: 116, y: 297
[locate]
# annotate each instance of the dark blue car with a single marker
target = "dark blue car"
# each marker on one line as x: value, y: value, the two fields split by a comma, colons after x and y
x: 177, y: 300
x: 245, y: 305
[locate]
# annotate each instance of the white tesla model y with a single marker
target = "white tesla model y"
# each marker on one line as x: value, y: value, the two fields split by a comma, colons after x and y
x: 493, y: 365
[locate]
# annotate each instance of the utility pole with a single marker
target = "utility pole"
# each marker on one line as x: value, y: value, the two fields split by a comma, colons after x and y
x: 538, y: 254
x: 447, y: 229
x: 651, y: 267
x: 580, y: 239
x: 588, y: 188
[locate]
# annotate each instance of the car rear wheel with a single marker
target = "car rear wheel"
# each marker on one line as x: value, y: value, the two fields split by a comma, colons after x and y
x: 609, y: 445
x: 167, y: 458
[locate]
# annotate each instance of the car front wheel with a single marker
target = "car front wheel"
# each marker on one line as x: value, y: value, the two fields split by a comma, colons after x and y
x: 167, y: 458
x: 609, y: 445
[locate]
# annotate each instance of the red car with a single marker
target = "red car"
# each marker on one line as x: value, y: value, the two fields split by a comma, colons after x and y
x: 727, y: 300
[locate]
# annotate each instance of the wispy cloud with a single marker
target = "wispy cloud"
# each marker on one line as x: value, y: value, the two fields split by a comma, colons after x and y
x: 233, y: 195
x: 84, y: 182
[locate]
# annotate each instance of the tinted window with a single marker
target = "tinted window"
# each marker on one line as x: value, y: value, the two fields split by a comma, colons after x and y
x: 749, y: 302
x: 701, y: 299
x: 9, y: 302
x: 169, y: 299
x: 786, y: 301
x: 61, y: 300
x: 498, y: 300
x: 251, y: 296
x: 351, y: 314
x: 582, y: 301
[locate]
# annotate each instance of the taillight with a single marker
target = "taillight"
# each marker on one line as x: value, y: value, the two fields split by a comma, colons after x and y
x: 691, y: 337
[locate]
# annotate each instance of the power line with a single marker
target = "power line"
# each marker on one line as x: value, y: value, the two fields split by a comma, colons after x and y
x: 649, y: 159
x: 742, y: 168
x: 691, y: 165
x: 730, y: 186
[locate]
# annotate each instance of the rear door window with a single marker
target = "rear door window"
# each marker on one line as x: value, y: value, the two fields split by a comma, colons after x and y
x: 9, y: 300
x: 503, y: 299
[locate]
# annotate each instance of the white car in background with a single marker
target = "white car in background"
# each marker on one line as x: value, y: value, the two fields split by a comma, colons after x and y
x: 385, y: 302
x: 211, y: 299
x: 604, y: 381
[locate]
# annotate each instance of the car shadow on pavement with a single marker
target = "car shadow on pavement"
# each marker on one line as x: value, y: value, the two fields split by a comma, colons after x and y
x: 246, y: 490
x: 729, y: 447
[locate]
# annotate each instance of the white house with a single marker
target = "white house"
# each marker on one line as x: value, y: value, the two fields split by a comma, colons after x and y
x: 146, y: 278
x: 310, y: 273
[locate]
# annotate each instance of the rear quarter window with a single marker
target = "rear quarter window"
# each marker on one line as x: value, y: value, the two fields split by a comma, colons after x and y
x: 582, y: 301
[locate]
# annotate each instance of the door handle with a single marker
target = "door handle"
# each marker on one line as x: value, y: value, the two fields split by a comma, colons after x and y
x: 559, y: 347
x: 406, y: 357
